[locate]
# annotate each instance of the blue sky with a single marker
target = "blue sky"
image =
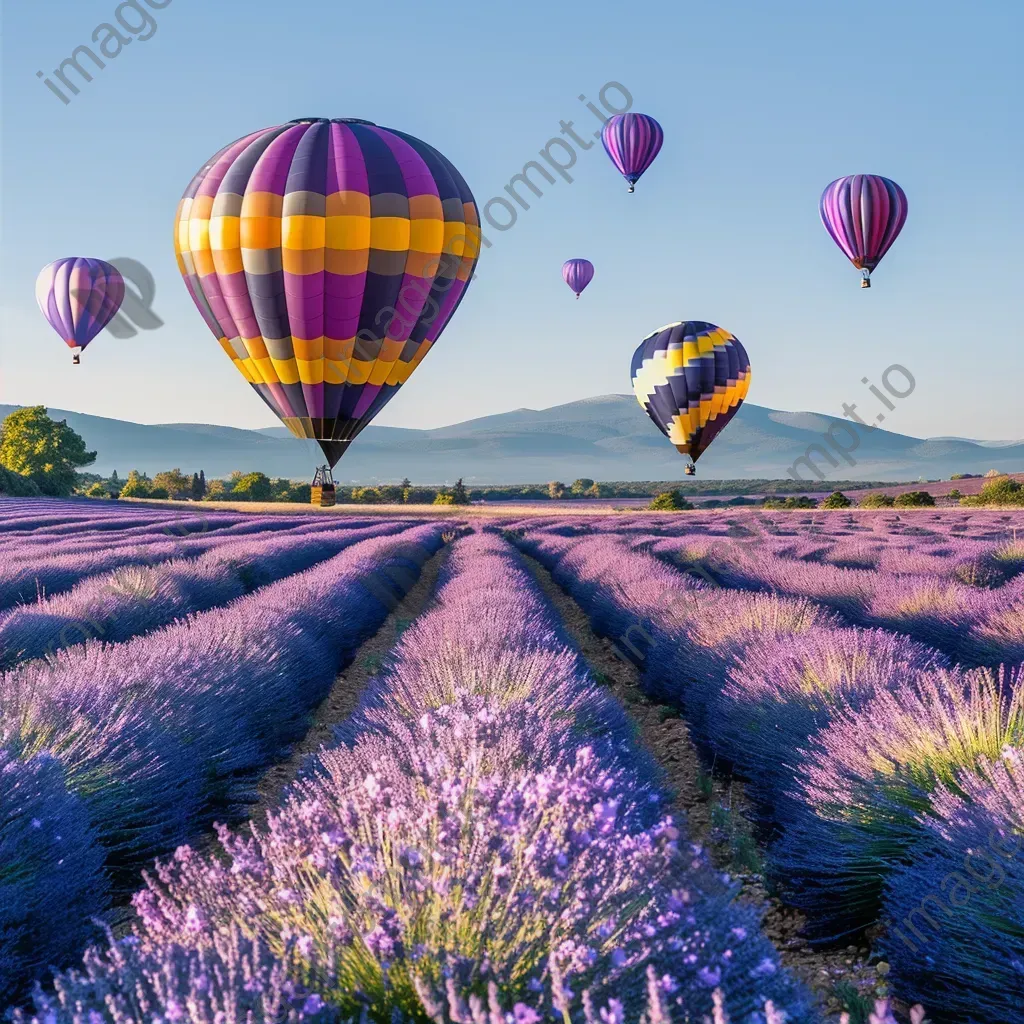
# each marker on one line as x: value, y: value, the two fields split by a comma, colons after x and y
x: 762, y: 104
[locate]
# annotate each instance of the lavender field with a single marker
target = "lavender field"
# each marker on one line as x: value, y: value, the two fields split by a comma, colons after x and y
x: 495, y: 829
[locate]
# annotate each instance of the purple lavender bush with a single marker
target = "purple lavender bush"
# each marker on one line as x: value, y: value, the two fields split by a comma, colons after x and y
x: 51, y: 870
x: 955, y: 912
x: 231, y: 980
x: 868, y: 780
x: 782, y: 690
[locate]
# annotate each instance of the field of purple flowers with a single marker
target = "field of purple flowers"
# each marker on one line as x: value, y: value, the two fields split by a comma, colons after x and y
x: 485, y: 840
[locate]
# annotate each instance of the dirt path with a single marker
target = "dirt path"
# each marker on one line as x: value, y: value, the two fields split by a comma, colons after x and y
x: 343, y: 698
x: 714, y: 809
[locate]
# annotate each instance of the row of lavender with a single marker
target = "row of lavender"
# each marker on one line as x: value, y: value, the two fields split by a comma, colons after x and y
x: 114, y: 753
x: 891, y: 784
x: 484, y: 833
x: 141, y: 596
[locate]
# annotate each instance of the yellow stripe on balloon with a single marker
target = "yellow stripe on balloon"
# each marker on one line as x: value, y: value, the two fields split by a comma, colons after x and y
x: 303, y: 232
x: 390, y: 233
x: 348, y: 233
x: 426, y: 234
x: 311, y: 371
x: 225, y: 233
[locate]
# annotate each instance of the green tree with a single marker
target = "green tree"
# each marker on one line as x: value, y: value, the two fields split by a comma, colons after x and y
x: 391, y: 494
x: 669, y: 501
x: 196, y: 489
x: 955, y: 494
x: 300, y: 494
x: 459, y: 493
x: 556, y: 489
x: 420, y: 495
x: 15, y: 486
x: 913, y: 499
x: 594, y: 491
x: 252, y: 487
x: 580, y: 487
x: 45, y: 451
x: 159, y: 492
x: 836, y: 500
x: 877, y: 500
x: 993, y: 473
x: 174, y: 482
x: 97, y: 491
x: 215, y: 491
x: 136, y: 486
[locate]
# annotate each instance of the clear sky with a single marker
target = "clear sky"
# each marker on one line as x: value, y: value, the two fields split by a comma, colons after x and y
x: 762, y: 104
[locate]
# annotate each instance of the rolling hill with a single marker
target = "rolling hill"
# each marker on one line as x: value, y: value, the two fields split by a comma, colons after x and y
x: 605, y: 438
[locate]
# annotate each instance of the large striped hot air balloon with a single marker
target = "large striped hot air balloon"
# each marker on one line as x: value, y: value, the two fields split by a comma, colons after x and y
x: 632, y: 141
x: 79, y: 296
x: 863, y: 213
x: 577, y: 274
x: 327, y: 256
x: 691, y: 378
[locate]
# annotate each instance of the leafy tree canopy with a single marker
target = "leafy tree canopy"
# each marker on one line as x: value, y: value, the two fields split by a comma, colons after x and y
x: 43, y: 450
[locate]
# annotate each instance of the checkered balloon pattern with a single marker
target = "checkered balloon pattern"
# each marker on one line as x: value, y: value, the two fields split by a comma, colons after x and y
x: 691, y: 378
x: 327, y: 256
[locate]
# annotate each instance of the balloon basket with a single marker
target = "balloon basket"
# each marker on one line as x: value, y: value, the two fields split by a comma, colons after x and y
x: 76, y: 359
x: 691, y: 470
x: 632, y: 188
x: 865, y: 282
x: 322, y: 493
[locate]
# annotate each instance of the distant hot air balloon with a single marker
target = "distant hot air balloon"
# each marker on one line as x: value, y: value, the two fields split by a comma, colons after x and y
x: 863, y: 213
x: 577, y: 274
x: 690, y: 378
x: 79, y: 297
x: 632, y: 141
x: 327, y: 256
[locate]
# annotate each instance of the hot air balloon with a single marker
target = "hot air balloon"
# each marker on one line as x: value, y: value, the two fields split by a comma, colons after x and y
x: 690, y: 378
x: 577, y: 274
x: 863, y: 213
x: 632, y: 141
x: 79, y: 297
x: 327, y: 256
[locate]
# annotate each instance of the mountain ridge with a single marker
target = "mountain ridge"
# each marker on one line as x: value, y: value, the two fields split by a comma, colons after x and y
x: 606, y: 437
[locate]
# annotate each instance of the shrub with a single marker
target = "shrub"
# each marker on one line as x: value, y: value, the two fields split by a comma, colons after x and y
x: 954, y: 494
x: 913, y: 499
x: 51, y: 868
x: 869, y: 779
x: 1005, y: 491
x: 954, y: 932
x: 877, y: 500
x: 17, y: 486
x: 159, y: 492
x: 441, y: 498
x: 669, y: 501
x: 796, y: 501
x: 97, y: 490
x: 836, y: 500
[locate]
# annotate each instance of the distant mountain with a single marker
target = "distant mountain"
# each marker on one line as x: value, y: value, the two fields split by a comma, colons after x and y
x: 605, y: 438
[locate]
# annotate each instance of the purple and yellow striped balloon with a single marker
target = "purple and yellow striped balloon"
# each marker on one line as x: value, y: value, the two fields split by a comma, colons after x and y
x: 632, y: 141
x: 327, y: 256
x: 79, y: 297
x: 577, y: 274
x: 863, y: 213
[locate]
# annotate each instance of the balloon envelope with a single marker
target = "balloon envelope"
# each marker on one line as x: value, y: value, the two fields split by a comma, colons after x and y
x: 691, y: 378
x: 632, y: 141
x: 79, y: 296
x: 863, y: 213
x: 327, y: 256
x: 577, y: 274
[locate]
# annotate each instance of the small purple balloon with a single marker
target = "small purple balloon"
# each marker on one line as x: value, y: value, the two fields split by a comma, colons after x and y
x: 79, y: 296
x: 577, y: 274
x: 632, y: 141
